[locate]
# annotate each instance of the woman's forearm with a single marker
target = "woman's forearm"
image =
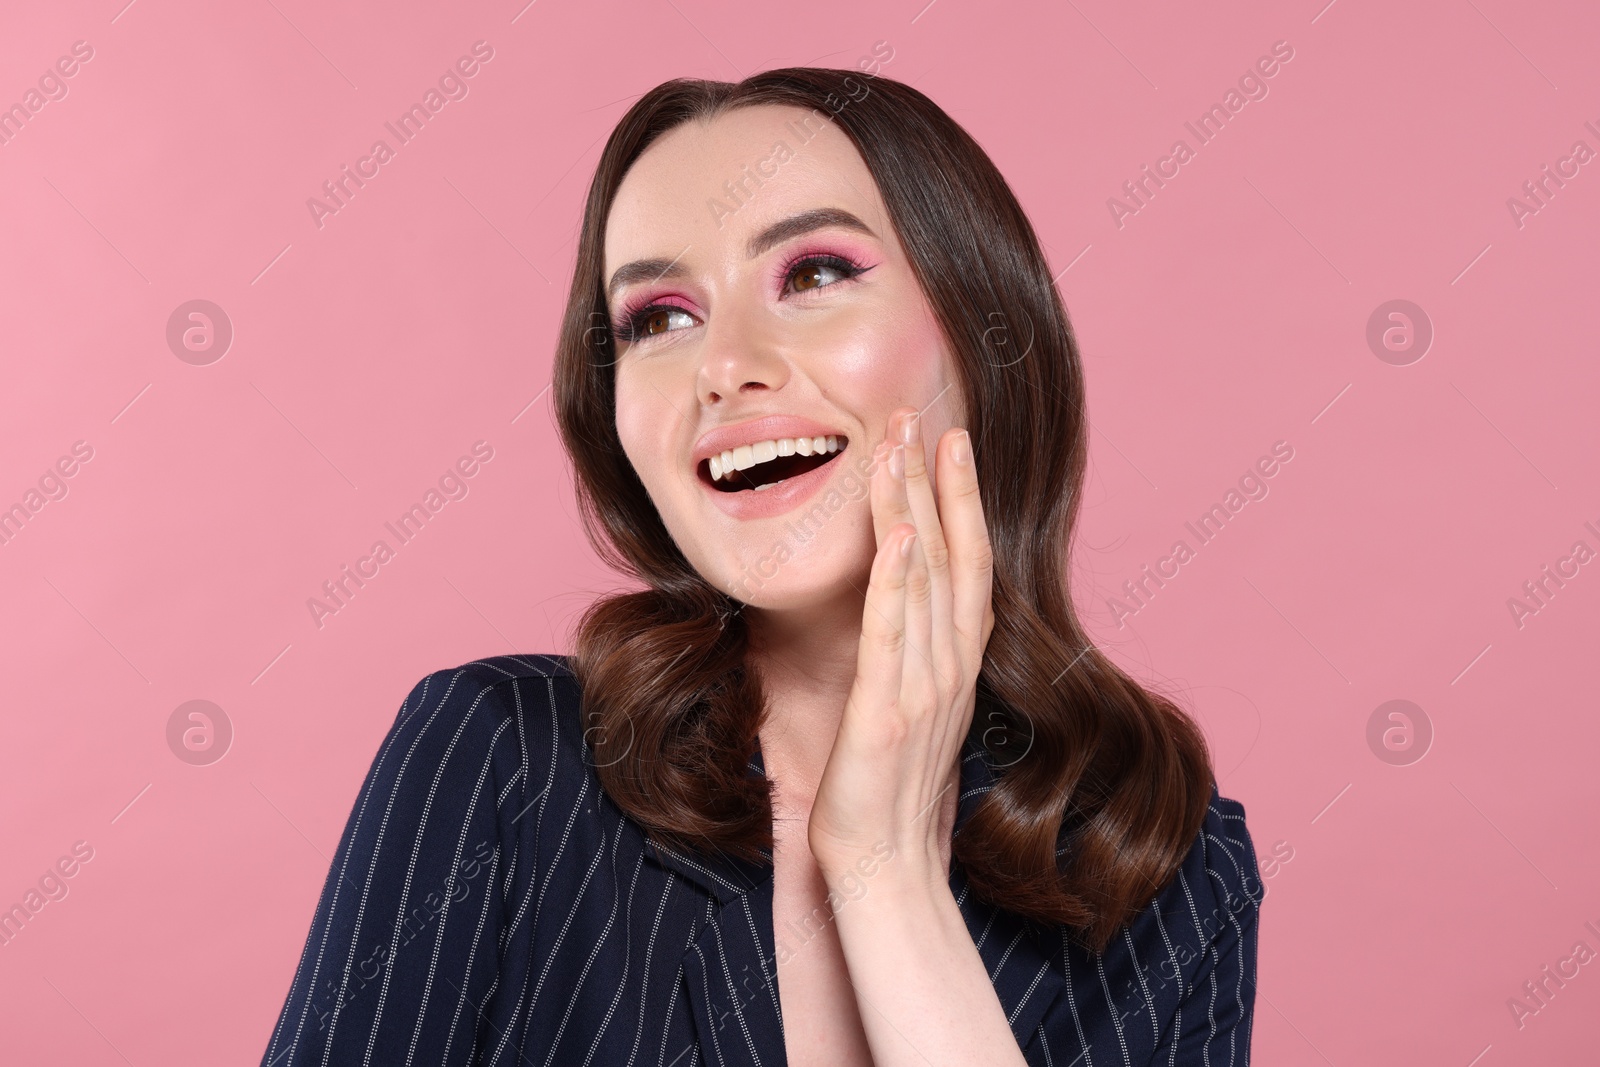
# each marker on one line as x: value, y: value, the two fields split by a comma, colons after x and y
x: 922, y: 989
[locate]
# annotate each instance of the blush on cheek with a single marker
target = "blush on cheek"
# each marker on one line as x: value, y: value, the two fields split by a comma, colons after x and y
x: 641, y: 423
x: 901, y: 362
x: 640, y: 432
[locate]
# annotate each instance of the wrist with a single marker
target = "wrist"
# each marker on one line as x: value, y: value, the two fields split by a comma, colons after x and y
x: 883, y: 871
x: 892, y: 908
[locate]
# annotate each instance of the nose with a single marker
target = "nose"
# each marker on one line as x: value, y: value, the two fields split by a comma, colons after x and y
x: 739, y: 355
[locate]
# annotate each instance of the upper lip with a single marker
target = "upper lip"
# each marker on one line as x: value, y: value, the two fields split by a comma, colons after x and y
x: 769, y: 428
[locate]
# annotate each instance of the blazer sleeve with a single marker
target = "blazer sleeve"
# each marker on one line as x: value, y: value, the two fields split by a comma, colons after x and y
x: 403, y: 951
x: 1215, y: 1013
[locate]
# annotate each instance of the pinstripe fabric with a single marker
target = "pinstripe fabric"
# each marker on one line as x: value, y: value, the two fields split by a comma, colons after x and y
x: 489, y: 905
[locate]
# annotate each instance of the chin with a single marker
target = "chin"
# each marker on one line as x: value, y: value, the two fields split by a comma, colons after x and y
x: 792, y: 593
x: 792, y: 575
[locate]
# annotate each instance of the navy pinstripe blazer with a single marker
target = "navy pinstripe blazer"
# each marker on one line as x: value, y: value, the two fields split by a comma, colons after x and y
x: 489, y: 905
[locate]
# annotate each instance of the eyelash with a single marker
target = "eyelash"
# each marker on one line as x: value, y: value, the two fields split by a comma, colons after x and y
x: 629, y: 325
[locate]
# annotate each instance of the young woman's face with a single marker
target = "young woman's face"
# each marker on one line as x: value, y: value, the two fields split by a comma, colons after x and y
x: 761, y: 319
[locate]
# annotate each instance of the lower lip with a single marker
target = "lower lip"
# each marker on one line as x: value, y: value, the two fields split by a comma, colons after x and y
x: 785, y: 496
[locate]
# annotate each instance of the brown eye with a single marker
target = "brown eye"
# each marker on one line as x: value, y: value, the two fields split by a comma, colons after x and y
x: 819, y: 272
x: 808, y: 277
x: 650, y: 322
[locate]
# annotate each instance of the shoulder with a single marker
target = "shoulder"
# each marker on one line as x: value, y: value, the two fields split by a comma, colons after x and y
x: 486, y: 674
x: 1225, y: 854
x: 502, y: 685
x: 1180, y: 976
x: 487, y: 716
x: 1214, y: 897
x: 1176, y: 979
x: 1198, y: 937
x: 431, y: 853
x: 479, y: 750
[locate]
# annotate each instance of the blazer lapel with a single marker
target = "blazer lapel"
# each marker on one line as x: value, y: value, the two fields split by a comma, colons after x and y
x: 1021, y: 956
x: 730, y: 968
x: 731, y: 965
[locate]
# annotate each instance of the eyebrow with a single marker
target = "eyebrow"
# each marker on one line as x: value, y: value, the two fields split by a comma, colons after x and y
x: 783, y: 230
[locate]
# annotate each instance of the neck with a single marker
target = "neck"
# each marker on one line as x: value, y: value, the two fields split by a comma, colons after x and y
x: 806, y: 660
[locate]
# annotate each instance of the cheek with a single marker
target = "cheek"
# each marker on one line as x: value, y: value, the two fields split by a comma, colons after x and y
x: 891, y: 363
x: 641, y: 428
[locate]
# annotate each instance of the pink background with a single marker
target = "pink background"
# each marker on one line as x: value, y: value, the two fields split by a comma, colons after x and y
x: 369, y: 354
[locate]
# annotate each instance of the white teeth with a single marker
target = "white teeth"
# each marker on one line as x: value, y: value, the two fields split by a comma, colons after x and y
x: 746, y: 456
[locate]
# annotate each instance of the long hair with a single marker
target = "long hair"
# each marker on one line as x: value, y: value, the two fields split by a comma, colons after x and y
x: 1101, y: 785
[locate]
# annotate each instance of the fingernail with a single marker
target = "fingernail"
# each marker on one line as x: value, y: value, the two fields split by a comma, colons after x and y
x: 897, y: 462
x: 908, y: 428
x: 959, y: 450
x: 905, y: 546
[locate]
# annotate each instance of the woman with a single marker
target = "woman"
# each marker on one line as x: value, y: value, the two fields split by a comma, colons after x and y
x: 845, y: 782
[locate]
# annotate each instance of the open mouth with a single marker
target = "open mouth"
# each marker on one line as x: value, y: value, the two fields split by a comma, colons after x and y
x: 768, y: 463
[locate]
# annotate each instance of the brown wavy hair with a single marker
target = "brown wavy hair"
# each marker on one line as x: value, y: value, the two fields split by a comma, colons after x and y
x: 1088, y: 761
